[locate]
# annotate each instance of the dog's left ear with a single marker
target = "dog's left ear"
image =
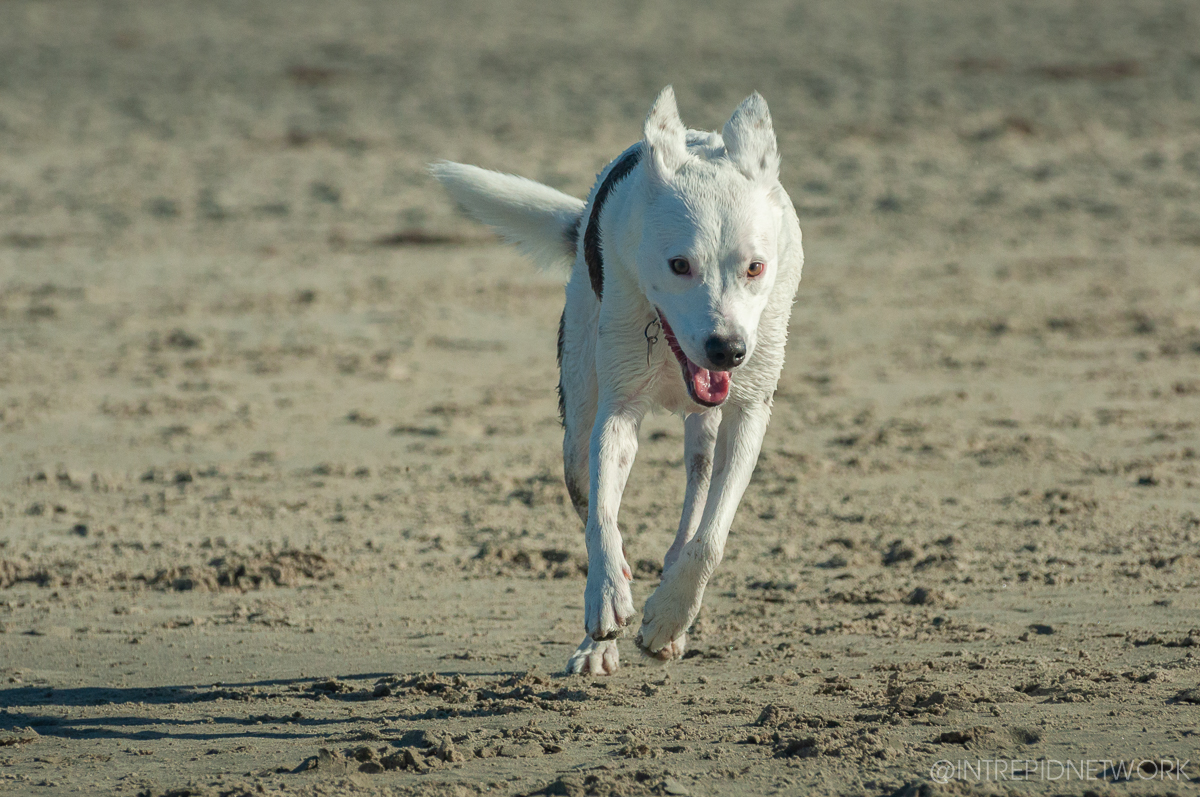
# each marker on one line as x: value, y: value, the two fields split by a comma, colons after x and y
x: 665, y: 136
x: 750, y: 139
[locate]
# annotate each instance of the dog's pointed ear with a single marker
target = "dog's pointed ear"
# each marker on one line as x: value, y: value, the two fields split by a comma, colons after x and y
x: 665, y: 136
x: 750, y: 139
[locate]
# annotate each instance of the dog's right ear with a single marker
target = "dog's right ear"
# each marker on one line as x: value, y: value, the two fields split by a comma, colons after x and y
x: 665, y: 136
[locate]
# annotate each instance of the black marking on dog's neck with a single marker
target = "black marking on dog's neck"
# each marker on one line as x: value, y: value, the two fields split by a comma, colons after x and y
x: 562, y: 393
x: 591, y: 233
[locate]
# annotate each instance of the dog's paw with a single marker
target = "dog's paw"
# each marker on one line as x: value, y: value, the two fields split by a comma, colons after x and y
x: 607, y: 602
x: 669, y: 652
x: 668, y: 613
x: 594, y: 658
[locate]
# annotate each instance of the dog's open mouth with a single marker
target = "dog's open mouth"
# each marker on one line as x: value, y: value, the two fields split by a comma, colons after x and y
x: 706, y: 387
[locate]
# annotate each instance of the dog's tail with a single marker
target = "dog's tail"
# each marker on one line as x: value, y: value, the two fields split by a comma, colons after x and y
x: 542, y: 222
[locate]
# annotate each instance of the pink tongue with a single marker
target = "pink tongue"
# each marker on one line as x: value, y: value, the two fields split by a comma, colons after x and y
x: 709, y: 386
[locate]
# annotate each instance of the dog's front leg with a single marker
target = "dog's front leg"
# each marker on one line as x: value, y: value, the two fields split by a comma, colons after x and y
x: 676, y: 602
x: 608, y: 601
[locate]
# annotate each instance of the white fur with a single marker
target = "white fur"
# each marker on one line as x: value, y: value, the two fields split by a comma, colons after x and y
x: 714, y: 199
x: 533, y: 216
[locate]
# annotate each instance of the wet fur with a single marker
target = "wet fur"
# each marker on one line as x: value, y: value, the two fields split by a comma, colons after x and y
x: 715, y: 197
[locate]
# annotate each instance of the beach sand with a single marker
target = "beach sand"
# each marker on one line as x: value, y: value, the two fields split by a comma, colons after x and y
x: 281, y: 504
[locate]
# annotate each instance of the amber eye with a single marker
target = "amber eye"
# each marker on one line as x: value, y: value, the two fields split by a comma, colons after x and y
x: 679, y: 266
x: 755, y: 269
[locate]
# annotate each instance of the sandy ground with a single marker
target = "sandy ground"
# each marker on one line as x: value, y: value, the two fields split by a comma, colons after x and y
x: 279, y: 464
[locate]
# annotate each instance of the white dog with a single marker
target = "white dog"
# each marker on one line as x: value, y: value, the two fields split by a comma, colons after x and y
x: 686, y: 258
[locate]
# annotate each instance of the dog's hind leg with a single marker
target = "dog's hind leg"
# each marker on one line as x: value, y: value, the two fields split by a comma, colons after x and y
x: 575, y: 469
x: 676, y: 602
x: 594, y: 658
x: 578, y: 405
x: 700, y: 437
x: 577, y: 391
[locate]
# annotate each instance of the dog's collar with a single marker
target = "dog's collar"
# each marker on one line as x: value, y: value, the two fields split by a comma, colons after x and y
x: 651, y: 332
x: 591, y: 234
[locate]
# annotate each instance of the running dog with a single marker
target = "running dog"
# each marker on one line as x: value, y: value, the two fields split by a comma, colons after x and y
x: 684, y: 261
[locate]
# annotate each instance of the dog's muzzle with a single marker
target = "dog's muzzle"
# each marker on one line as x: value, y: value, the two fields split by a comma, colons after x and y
x: 706, y: 386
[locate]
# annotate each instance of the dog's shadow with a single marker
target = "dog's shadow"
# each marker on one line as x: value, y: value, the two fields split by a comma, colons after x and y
x: 54, y: 712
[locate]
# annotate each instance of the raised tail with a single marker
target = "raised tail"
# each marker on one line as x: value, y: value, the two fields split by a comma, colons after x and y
x: 542, y: 222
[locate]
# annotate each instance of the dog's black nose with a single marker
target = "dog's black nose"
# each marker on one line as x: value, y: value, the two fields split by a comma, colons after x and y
x: 725, y: 353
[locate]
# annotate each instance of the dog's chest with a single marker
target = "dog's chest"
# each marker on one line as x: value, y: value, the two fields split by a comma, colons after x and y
x: 667, y: 388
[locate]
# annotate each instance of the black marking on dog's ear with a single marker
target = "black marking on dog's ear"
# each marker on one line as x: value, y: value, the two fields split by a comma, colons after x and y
x: 562, y: 393
x: 591, y: 233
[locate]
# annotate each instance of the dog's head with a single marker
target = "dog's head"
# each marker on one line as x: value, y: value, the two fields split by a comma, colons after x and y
x: 709, y: 252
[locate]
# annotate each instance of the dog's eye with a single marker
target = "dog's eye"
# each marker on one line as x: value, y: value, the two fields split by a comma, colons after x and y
x: 755, y: 269
x: 679, y: 266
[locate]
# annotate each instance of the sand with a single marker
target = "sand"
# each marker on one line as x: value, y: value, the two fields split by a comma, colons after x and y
x: 281, y: 507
